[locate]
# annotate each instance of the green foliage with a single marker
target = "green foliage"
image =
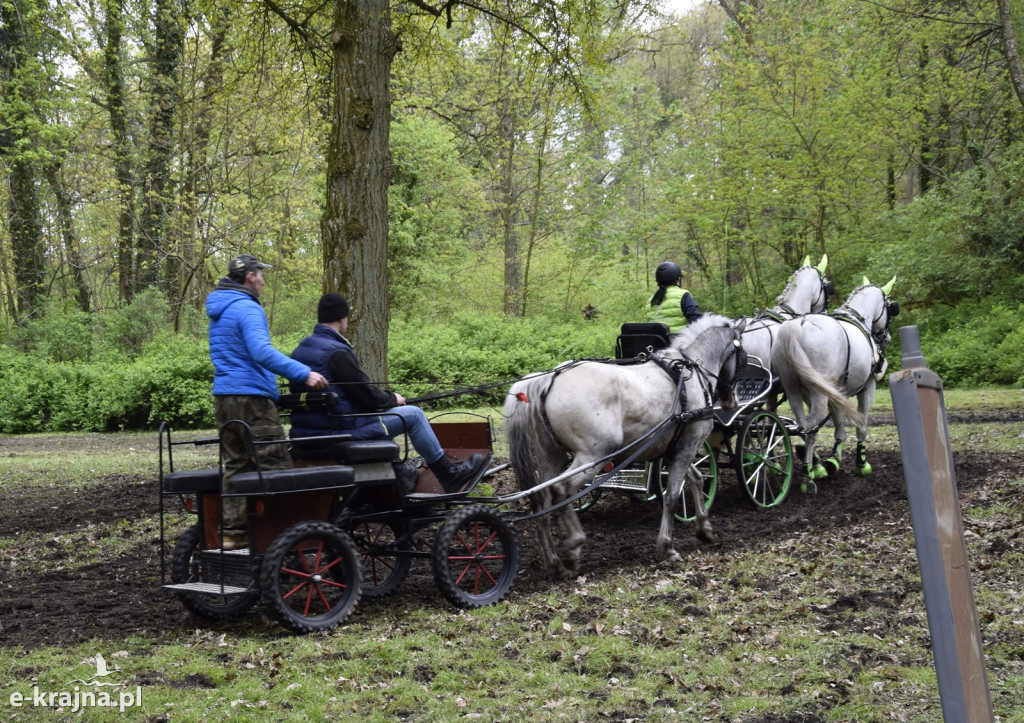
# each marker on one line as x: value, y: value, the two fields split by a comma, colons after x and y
x: 477, y: 349
x: 981, y: 350
x: 170, y: 382
x: 132, y: 325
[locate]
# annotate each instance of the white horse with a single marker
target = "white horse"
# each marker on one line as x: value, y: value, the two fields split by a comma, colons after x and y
x: 597, y: 412
x: 807, y: 292
x: 822, y: 360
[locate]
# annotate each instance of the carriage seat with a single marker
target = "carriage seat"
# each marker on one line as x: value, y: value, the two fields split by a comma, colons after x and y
x: 193, y: 481
x: 300, y: 479
x: 349, y: 451
x: 635, y: 338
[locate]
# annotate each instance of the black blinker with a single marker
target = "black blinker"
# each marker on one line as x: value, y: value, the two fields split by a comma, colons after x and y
x: 893, y: 308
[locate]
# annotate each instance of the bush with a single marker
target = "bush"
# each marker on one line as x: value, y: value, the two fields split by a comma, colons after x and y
x: 983, y: 350
x: 474, y: 349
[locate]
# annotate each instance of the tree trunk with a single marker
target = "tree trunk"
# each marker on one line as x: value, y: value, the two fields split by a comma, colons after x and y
x: 1012, y: 56
x: 509, y: 211
x: 359, y: 167
x: 24, y: 215
x: 113, y: 80
x: 169, y: 24
x: 66, y: 222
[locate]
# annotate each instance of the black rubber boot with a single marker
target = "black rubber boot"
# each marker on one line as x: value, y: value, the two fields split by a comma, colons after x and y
x: 455, y: 477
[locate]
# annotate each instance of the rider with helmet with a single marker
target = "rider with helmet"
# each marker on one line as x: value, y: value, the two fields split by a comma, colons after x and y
x: 672, y: 304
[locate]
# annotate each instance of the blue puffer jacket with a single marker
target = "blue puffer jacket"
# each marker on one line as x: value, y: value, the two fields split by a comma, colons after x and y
x: 244, y: 361
x: 316, y: 351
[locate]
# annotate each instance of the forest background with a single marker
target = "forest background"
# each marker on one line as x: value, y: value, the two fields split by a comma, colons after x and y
x: 537, y: 161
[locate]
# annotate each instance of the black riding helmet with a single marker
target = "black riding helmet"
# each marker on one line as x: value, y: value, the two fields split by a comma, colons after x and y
x: 667, y: 273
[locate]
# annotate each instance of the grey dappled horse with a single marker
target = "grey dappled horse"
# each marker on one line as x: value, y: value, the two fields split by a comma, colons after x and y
x: 824, y: 359
x: 807, y: 292
x: 592, y: 410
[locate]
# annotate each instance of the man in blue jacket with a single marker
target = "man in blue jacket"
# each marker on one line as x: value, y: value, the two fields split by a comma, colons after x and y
x: 331, y: 354
x: 246, y: 366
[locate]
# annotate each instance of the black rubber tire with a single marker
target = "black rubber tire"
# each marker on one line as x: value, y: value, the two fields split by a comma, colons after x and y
x: 293, y: 580
x: 185, y: 567
x: 707, y: 464
x: 764, y: 459
x: 380, y: 545
x: 475, y: 557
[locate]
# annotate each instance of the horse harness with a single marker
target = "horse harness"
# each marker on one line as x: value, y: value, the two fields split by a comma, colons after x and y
x: 857, y: 320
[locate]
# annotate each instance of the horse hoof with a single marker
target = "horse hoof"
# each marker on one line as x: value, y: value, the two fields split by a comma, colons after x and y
x: 706, y: 536
x: 831, y: 467
x: 865, y: 470
x: 808, y: 487
x: 818, y: 472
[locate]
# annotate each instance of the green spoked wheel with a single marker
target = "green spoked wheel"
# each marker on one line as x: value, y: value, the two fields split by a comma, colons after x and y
x: 707, y: 465
x: 764, y: 459
x: 311, y: 576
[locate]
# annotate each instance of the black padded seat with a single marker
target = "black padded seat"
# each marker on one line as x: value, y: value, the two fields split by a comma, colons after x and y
x: 635, y: 338
x: 369, y: 450
x: 192, y: 481
x: 350, y: 452
x: 302, y: 479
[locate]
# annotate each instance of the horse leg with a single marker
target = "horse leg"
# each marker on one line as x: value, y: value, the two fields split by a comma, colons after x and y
x: 695, y: 482
x: 545, y: 539
x: 678, y: 475
x: 815, y: 417
x: 839, y: 422
x: 864, y: 399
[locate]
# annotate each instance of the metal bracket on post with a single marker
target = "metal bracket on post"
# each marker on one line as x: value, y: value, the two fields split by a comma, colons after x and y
x: 920, y: 410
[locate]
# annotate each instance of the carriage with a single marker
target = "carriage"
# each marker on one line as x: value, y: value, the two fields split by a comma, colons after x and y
x: 344, y: 524
x: 752, y: 439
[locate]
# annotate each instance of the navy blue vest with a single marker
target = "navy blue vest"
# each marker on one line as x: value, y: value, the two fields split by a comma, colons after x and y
x: 315, y: 351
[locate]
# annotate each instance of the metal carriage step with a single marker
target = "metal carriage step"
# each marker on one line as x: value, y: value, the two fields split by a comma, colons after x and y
x: 207, y: 588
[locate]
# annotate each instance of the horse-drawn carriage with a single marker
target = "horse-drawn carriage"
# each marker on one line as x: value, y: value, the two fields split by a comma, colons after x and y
x: 341, y: 525
x: 344, y: 524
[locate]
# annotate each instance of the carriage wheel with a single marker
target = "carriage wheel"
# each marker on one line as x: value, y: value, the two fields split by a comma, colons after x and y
x: 764, y: 459
x: 187, y: 566
x: 707, y: 465
x: 475, y: 557
x: 587, y: 501
x: 381, y: 548
x: 311, y: 576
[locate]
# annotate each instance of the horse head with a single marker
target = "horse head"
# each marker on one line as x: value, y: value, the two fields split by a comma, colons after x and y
x: 808, y: 290
x: 889, y: 310
x: 733, y: 361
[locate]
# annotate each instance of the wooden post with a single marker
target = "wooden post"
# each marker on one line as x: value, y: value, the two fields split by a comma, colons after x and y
x: 919, y: 404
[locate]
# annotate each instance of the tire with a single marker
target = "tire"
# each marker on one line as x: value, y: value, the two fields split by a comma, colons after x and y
x: 380, y: 546
x: 707, y: 464
x: 475, y: 557
x: 764, y: 459
x: 186, y: 566
x: 311, y: 577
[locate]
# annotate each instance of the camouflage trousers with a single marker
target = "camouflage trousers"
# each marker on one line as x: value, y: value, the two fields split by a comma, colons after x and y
x: 260, y: 413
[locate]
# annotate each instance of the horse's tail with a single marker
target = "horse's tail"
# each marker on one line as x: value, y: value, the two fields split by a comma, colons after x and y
x: 531, y: 448
x: 789, y: 347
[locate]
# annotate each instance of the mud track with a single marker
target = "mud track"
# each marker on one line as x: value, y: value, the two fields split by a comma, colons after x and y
x: 119, y: 597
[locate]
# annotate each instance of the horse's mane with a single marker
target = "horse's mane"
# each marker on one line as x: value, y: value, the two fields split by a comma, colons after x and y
x: 791, y: 284
x: 689, y: 334
x: 853, y: 295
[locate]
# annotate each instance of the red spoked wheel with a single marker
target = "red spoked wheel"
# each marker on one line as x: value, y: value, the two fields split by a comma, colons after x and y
x: 311, y: 576
x: 384, y: 548
x: 475, y: 557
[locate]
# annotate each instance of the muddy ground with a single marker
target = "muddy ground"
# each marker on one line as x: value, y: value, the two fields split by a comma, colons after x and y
x: 120, y: 597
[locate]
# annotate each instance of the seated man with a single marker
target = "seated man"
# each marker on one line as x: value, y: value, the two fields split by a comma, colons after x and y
x: 330, y: 353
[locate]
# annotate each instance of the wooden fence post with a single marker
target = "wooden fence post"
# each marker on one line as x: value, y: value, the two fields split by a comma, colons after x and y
x: 919, y: 404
